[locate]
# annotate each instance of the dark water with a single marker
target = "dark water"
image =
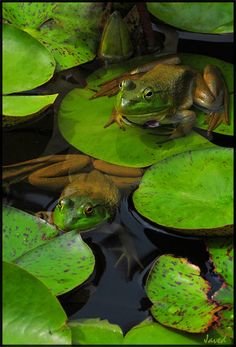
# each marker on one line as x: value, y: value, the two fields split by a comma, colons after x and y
x: 111, y: 292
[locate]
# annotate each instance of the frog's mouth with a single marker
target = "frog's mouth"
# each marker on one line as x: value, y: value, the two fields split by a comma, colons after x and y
x: 147, y: 120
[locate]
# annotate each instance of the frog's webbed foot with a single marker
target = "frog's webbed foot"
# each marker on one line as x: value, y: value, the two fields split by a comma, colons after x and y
x: 131, y: 259
x: 128, y: 252
x: 115, y: 118
x: 45, y: 215
x: 214, y: 119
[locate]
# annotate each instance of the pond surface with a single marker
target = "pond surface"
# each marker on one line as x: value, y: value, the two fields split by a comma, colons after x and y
x: 112, y: 292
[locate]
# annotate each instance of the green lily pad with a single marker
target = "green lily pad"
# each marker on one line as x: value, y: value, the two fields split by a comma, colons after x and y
x: 61, y: 262
x: 191, y: 192
x: 23, y: 14
x: 225, y: 296
x: 26, y: 63
x: 80, y: 119
x: 95, y: 332
x: 70, y: 31
x: 226, y: 325
x: 152, y: 333
x: 24, y: 105
x: 22, y: 232
x: 179, y: 295
x: 31, y: 314
x: 221, y: 252
x: 203, y: 17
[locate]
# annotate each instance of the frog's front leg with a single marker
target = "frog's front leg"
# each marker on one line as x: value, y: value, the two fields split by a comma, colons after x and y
x: 117, y: 118
x: 45, y: 215
x: 211, y: 95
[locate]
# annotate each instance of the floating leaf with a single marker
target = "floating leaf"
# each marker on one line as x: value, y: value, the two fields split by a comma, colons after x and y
x: 191, y: 192
x: 24, y: 105
x: 95, y: 332
x: 221, y: 252
x: 81, y: 120
x: 152, y: 333
x: 179, y: 295
x: 61, y: 263
x: 26, y: 63
x: 224, y: 295
x: 22, y: 232
x: 31, y: 15
x: 31, y: 314
x: 226, y: 325
x: 70, y: 31
x: 206, y: 17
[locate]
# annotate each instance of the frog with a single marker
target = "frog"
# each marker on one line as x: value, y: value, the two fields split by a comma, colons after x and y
x: 160, y: 95
x: 90, y: 189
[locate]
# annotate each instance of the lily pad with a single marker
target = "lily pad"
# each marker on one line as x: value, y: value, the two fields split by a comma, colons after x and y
x: 24, y: 105
x: 61, y: 262
x: 22, y: 232
x: 31, y: 314
x: 179, y: 295
x: 70, y: 31
x: 226, y: 325
x: 95, y: 332
x: 81, y: 119
x: 26, y: 63
x: 221, y: 252
x: 203, y: 17
x: 191, y: 192
x: 152, y: 333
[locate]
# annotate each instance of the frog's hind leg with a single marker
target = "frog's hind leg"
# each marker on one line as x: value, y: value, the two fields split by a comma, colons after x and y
x: 211, y: 95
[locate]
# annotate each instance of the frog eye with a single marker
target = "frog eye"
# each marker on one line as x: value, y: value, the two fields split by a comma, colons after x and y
x: 88, y: 210
x: 148, y: 93
x: 120, y: 85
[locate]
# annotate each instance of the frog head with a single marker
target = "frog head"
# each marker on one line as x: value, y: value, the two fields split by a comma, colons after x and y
x: 139, y: 102
x: 80, y: 213
x: 86, y: 202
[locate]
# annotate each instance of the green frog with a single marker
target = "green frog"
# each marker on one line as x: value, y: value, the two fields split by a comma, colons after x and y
x: 90, y: 192
x: 89, y: 188
x: 161, y: 94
